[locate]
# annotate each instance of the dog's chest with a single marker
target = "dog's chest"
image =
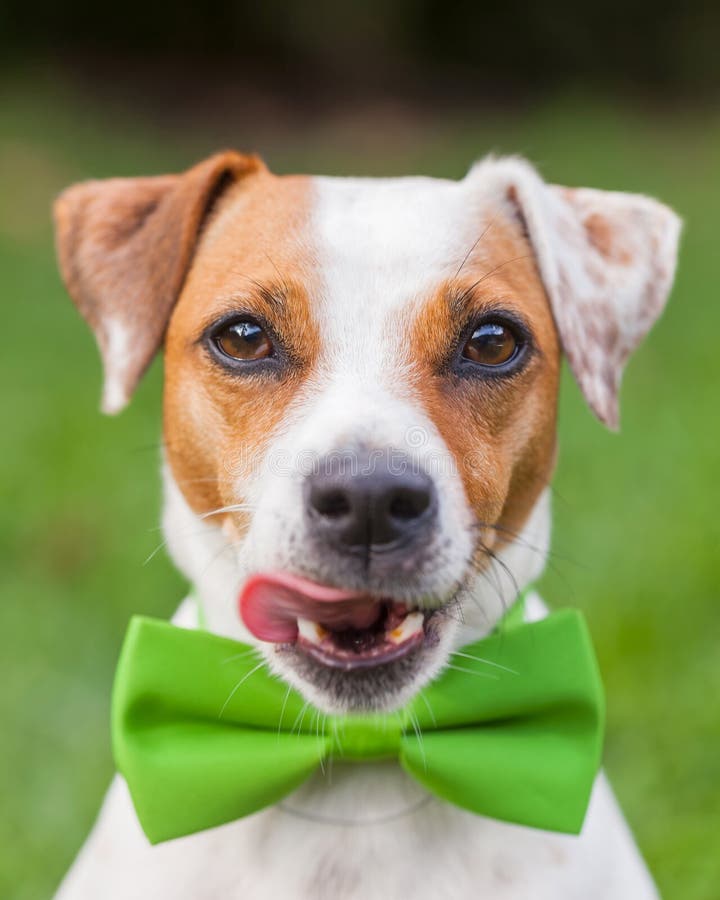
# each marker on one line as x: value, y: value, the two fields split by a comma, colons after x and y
x: 402, y: 844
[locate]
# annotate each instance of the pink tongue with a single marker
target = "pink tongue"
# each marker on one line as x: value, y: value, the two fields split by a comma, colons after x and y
x: 270, y: 605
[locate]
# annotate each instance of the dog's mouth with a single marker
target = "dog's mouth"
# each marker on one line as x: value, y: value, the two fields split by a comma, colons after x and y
x: 340, y: 629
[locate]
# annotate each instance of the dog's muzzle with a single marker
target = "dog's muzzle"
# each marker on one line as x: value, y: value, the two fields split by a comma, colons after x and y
x: 371, y: 521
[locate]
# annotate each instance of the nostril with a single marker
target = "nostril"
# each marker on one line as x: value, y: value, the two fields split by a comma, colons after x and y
x: 333, y: 504
x: 409, y: 503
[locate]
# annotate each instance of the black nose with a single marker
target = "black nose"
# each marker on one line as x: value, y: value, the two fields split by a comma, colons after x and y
x: 363, y: 504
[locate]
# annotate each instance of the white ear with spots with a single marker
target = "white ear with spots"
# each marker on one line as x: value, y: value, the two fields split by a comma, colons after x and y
x: 607, y: 261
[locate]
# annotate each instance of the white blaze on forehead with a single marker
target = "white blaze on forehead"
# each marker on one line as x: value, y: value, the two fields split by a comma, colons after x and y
x: 380, y: 222
x: 383, y: 246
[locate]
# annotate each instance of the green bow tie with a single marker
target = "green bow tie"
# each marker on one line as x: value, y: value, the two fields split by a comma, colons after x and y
x: 204, y: 734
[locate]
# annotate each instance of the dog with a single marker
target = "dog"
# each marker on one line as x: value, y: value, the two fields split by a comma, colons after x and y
x: 417, y: 326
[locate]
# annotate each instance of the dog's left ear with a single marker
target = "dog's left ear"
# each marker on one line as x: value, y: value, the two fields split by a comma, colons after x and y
x: 607, y: 261
x: 125, y: 246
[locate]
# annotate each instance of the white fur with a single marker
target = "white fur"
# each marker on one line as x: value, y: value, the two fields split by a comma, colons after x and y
x: 432, y: 851
x: 118, y: 340
x: 362, y: 831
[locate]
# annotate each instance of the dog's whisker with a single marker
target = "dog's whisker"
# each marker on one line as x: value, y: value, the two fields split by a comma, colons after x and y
x: 155, y: 552
x: 472, y: 672
x: 329, y: 760
x: 486, y: 577
x: 281, y: 278
x: 211, y: 479
x: 488, y: 662
x: 318, y: 739
x: 470, y: 251
x: 243, y: 655
x: 215, y: 557
x: 429, y: 708
x: 164, y: 544
x: 282, y: 709
x: 490, y: 575
x: 300, y: 718
x: 517, y: 538
x: 498, y: 564
x: 232, y: 507
x: 419, y: 735
x: 459, y: 301
x: 239, y: 685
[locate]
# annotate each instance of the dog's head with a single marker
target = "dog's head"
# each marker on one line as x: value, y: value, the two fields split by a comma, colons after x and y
x: 361, y: 384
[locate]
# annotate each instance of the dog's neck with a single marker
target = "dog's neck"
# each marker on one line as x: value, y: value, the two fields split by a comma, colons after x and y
x: 214, y: 566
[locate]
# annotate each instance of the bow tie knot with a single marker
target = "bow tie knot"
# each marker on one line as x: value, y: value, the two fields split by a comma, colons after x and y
x: 368, y: 738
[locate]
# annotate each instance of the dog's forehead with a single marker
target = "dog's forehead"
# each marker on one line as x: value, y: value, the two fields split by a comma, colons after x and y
x: 382, y: 241
x: 364, y: 256
x: 402, y: 229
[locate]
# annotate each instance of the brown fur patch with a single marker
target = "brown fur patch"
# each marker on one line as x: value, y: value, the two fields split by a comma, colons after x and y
x: 501, y: 433
x: 601, y: 235
x: 218, y: 423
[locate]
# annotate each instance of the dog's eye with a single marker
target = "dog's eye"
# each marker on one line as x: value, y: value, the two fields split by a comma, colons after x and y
x: 491, y: 344
x: 244, y: 340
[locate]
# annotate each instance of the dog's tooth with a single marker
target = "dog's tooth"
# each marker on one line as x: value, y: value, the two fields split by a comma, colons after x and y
x: 311, y: 631
x: 410, y: 625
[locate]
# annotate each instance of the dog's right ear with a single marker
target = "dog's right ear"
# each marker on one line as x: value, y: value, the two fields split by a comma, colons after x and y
x: 125, y: 246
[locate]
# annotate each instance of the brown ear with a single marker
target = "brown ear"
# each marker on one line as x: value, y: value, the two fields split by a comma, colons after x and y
x: 125, y: 246
x: 607, y: 260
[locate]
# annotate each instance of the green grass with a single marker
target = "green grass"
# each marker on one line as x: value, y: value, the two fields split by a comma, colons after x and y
x: 637, y: 533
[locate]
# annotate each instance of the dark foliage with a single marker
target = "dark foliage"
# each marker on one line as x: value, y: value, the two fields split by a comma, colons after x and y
x: 506, y: 46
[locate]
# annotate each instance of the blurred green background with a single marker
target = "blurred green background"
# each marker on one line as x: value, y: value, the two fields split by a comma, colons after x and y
x: 637, y: 532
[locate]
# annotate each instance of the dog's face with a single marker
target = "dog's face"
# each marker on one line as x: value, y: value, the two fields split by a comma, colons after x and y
x: 361, y: 382
x: 369, y: 391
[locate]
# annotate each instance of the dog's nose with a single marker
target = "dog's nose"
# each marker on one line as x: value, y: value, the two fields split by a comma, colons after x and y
x: 371, y: 505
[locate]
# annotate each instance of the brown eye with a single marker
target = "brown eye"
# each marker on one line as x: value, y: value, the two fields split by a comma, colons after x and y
x: 491, y: 344
x: 244, y: 340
